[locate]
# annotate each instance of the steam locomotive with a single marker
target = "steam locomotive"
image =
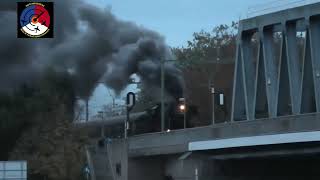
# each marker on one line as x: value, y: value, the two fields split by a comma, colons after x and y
x: 177, y: 115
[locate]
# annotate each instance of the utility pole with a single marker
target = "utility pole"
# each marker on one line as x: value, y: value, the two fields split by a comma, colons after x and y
x: 163, y: 61
x: 212, y: 88
x: 87, y: 109
x: 113, y: 102
x: 162, y: 95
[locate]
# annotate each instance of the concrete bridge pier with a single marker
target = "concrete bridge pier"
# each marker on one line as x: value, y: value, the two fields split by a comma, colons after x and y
x: 146, y: 168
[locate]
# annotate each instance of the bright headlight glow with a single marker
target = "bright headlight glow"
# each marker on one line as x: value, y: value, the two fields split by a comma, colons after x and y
x: 182, y: 107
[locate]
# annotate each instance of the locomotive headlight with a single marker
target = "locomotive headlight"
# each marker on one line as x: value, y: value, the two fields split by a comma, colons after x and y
x: 182, y: 107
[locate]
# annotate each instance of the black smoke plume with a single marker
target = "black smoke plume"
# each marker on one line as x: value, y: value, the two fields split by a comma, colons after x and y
x: 89, y: 43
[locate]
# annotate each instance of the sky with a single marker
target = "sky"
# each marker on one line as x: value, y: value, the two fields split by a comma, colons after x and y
x: 176, y: 21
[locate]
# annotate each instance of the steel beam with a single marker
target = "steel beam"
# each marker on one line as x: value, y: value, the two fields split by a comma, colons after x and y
x: 293, y: 66
x: 315, y: 57
x: 238, y: 105
x: 248, y: 70
x: 271, y: 72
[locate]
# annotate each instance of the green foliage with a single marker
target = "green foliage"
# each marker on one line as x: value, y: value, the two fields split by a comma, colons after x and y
x: 219, y: 44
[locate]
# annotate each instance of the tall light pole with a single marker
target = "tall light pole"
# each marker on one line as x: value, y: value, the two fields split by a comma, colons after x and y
x: 162, y: 62
x: 212, y: 88
x: 162, y: 94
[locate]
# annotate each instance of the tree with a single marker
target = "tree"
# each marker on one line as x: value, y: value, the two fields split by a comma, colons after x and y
x: 220, y: 43
x: 31, y: 104
x: 207, y: 56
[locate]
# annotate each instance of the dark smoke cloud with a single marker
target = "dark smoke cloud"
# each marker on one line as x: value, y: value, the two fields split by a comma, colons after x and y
x: 91, y: 44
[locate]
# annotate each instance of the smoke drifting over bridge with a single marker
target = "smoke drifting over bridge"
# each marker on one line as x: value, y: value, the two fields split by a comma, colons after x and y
x: 89, y: 43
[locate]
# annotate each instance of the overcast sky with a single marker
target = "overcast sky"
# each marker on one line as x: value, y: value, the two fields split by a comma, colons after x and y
x: 177, y: 20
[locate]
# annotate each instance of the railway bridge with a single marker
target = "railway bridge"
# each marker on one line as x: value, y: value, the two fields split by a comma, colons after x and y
x: 274, y: 130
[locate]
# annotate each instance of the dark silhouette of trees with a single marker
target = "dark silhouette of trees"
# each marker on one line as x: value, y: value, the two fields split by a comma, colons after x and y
x: 220, y: 43
x: 207, y: 61
x: 31, y: 104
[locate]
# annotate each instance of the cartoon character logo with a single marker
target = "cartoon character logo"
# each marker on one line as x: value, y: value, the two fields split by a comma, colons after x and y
x: 35, y: 19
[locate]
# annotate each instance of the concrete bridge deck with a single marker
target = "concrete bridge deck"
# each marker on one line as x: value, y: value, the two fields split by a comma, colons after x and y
x: 178, y: 141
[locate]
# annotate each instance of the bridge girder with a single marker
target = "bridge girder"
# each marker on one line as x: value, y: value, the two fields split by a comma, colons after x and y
x: 283, y: 85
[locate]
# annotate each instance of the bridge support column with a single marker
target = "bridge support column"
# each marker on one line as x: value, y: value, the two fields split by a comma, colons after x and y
x: 249, y: 73
x: 293, y: 63
x: 315, y: 56
x: 271, y: 72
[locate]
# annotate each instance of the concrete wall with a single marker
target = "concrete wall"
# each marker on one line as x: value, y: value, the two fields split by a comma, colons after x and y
x: 161, y: 167
x: 148, y: 168
x: 290, y: 161
x: 177, y: 141
x: 119, y: 159
x: 192, y: 168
